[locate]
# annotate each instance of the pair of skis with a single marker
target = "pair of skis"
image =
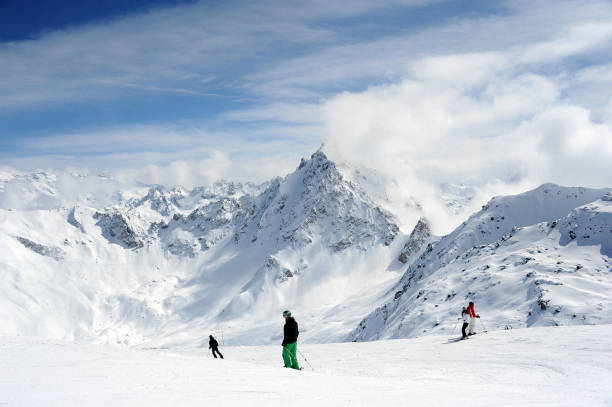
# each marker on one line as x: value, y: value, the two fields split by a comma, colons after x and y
x: 461, y: 338
x: 453, y: 340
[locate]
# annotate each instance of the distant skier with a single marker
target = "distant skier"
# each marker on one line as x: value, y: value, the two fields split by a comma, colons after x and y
x: 465, y: 316
x: 473, y: 317
x: 214, y: 345
x: 290, y: 341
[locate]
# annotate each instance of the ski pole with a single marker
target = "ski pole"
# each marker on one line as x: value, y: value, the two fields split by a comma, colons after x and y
x: 304, y: 357
x: 455, y: 327
x: 483, y: 326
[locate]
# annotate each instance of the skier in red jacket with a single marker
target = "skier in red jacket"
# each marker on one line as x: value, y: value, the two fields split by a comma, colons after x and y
x: 473, y: 317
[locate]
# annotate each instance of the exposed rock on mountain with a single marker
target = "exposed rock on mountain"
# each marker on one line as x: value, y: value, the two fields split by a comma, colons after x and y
x: 53, y: 252
x: 420, y: 236
x: 165, y: 265
x: 523, y: 259
x: 158, y: 266
x: 115, y: 229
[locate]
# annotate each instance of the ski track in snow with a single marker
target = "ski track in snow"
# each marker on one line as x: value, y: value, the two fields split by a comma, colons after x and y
x: 551, y: 366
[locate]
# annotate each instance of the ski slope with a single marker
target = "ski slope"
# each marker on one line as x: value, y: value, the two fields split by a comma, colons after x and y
x: 544, y: 366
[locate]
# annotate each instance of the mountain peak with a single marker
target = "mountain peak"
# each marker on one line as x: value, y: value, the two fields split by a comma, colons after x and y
x: 317, y: 160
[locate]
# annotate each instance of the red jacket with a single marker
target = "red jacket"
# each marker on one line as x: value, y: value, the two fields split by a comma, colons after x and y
x: 470, y: 308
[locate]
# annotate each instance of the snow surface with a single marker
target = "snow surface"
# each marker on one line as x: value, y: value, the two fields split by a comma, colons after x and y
x: 168, y: 266
x: 537, y: 258
x: 159, y: 269
x: 161, y: 266
x: 553, y: 366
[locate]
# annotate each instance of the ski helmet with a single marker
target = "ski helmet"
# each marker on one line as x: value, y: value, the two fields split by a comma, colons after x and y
x: 471, y: 303
x: 286, y: 313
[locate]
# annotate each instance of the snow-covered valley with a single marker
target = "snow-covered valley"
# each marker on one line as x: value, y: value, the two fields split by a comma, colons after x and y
x: 553, y: 366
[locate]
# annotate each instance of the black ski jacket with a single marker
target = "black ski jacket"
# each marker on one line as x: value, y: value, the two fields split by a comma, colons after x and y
x: 291, y: 331
x: 212, y: 343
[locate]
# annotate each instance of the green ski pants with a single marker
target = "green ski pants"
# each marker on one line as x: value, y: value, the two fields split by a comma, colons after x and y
x: 290, y: 355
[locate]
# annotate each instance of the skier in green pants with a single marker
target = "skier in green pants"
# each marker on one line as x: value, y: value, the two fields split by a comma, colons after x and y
x: 290, y: 341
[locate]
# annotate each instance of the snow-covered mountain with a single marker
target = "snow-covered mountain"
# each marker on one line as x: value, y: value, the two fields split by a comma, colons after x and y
x: 535, y: 259
x: 166, y: 266
x: 161, y: 266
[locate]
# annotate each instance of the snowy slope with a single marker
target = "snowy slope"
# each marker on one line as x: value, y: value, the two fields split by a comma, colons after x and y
x: 167, y: 266
x: 83, y: 258
x: 538, y: 258
x: 560, y: 366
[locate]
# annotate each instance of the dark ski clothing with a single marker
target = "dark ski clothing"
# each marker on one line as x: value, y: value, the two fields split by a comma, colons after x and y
x: 463, y: 328
x: 214, y: 351
x: 465, y: 316
x: 291, y: 331
x: 214, y: 345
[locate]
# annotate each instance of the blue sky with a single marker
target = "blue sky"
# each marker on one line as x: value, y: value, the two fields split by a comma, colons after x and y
x: 135, y: 84
x: 212, y: 87
x: 23, y: 20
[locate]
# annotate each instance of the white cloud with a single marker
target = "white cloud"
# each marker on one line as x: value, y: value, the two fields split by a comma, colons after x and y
x: 186, y: 49
x: 296, y: 112
x: 503, y: 102
x: 577, y: 39
x: 563, y: 144
x: 500, y: 121
x: 220, y: 166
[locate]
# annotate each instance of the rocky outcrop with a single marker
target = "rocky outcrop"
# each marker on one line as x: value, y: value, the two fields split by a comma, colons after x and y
x: 49, y: 251
x: 417, y: 240
x: 116, y: 229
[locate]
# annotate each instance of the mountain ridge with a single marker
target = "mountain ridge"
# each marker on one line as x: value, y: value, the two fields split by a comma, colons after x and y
x: 161, y: 266
x: 522, y: 228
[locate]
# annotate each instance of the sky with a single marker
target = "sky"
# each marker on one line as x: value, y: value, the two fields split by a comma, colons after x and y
x: 502, y: 95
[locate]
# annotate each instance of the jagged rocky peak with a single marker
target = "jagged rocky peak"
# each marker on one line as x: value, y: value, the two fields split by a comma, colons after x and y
x: 417, y: 240
x: 316, y: 200
x: 162, y: 200
x: 312, y: 204
x: 319, y: 170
